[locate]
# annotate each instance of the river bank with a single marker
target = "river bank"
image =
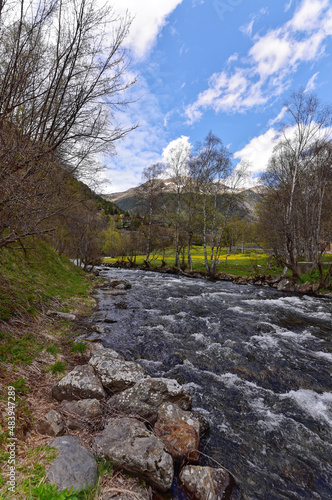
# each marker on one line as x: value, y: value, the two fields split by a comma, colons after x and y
x: 43, y: 296
x: 279, y: 283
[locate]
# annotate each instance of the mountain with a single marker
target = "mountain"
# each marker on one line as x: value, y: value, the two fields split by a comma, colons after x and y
x: 246, y: 202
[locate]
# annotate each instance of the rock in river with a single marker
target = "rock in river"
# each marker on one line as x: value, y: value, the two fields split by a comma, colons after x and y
x: 179, y: 431
x: 205, y: 483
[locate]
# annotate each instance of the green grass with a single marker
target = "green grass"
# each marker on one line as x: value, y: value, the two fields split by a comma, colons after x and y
x: 79, y: 347
x: 53, y: 349
x: 19, y: 350
x: 58, y: 367
x: 248, y: 264
x: 30, y: 475
x: 29, y: 281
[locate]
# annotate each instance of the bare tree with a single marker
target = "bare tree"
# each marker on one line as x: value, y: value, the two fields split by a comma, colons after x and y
x: 150, y: 195
x: 299, y: 181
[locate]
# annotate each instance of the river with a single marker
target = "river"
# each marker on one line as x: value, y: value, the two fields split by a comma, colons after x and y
x: 257, y: 362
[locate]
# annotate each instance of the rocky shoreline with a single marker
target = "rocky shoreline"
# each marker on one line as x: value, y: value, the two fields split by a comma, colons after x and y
x: 143, y: 425
x: 281, y: 284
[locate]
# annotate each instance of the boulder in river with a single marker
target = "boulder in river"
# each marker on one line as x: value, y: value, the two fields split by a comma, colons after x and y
x: 130, y: 446
x: 145, y: 398
x: 205, y: 483
x: 122, y: 284
x: 80, y: 383
x: 286, y: 285
x: 179, y: 431
x: 305, y: 287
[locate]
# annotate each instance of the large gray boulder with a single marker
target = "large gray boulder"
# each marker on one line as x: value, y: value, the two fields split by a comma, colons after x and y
x: 145, y: 398
x: 128, y: 443
x: 205, y: 483
x: 115, y: 373
x: 179, y: 431
x: 74, y: 467
x: 80, y: 383
x: 81, y: 414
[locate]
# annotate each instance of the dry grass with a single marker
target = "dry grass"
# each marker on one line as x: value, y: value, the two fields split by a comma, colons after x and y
x: 128, y: 487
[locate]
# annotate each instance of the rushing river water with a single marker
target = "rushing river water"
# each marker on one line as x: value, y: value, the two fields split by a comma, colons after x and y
x: 258, y: 363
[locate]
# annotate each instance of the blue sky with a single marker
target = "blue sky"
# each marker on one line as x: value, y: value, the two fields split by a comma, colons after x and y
x: 220, y: 65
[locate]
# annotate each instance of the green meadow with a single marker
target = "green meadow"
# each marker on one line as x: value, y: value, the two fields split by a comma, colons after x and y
x: 247, y: 264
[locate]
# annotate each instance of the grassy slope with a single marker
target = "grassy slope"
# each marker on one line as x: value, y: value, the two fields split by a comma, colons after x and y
x: 35, y: 350
x: 34, y: 281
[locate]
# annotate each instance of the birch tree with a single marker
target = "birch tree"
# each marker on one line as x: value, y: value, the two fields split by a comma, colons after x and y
x: 299, y: 180
x: 176, y: 158
x: 150, y: 195
x: 210, y: 167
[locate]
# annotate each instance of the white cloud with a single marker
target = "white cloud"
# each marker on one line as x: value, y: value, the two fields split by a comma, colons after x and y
x: 232, y: 58
x: 270, y: 64
x: 308, y: 16
x: 180, y: 145
x: 278, y: 118
x: 247, y: 29
x: 258, y: 151
x: 150, y: 16
x: 311, y: 83
x: 288, y: 5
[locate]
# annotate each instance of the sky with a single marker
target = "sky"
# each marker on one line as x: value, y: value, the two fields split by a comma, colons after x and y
x: 222, y: 65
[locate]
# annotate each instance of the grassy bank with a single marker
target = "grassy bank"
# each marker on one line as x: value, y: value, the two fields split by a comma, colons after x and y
x: 38, y: 278
x: 36, y: 349
x: 239, y: 264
